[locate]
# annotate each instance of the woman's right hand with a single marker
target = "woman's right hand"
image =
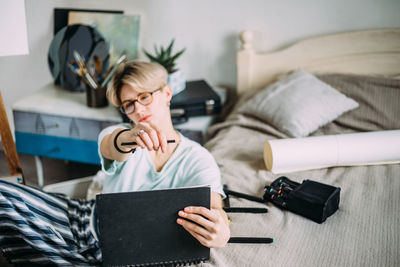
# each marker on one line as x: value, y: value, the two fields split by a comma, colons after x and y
x: 146, y: 135
x: 150, y: 137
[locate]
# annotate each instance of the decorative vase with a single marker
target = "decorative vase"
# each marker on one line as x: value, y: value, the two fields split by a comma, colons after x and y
x: 177, y: 82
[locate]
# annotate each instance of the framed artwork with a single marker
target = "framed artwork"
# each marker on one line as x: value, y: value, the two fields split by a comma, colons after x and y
x: 120, y: 31
x: 61, y: 16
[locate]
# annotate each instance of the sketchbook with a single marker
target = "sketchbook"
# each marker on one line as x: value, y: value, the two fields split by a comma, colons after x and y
x: 139, y: 228
x: 367, y: 148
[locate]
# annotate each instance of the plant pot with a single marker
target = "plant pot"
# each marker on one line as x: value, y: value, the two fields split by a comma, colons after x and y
x: 177, y: 81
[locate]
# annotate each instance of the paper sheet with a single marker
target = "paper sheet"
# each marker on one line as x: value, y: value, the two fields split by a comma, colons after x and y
x: 14, y: 37
x: 297, y: 154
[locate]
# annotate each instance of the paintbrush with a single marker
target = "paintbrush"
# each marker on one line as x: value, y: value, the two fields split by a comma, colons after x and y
x: 111, y: 70
x: 88, y: 78
x: 97, y: 64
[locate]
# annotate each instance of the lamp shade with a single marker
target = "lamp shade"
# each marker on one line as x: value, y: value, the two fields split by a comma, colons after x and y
x: 13, y: 34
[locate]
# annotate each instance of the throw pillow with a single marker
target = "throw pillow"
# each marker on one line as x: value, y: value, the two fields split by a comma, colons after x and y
x: 298, y: 104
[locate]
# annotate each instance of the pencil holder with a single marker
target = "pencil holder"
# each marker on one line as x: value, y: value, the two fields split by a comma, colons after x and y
x: 96, y: 98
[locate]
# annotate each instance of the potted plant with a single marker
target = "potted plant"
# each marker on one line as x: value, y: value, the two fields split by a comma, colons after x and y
x: 166, y: 58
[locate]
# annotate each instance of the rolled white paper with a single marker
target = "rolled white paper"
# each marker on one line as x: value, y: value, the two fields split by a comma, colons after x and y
x: 298, y: 154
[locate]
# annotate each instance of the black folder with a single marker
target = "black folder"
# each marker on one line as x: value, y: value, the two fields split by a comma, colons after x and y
x: 198, y: 99
x: 139, y: 228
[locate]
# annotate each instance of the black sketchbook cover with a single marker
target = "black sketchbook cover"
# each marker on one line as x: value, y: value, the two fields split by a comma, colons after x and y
x: 139, y: 228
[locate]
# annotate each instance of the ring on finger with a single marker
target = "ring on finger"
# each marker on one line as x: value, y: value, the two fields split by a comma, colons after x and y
x: 140, y: 132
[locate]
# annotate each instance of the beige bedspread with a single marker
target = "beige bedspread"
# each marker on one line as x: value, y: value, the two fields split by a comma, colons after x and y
x: 365, y: 231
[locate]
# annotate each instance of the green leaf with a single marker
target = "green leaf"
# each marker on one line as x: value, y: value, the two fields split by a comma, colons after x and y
x: 156, y: 50
x: 178, y: 54
x: 169, y: 49
x: 151, y: 57
x: 164, y: 56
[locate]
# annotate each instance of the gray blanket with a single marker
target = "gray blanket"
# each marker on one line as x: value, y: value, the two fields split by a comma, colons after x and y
x: 365, y: 231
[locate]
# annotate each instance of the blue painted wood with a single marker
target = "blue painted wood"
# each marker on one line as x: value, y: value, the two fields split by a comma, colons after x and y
x: 57, y: 147
x: 56, y: 125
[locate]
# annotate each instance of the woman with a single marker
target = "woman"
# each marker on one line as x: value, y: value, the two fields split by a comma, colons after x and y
x: 38, y: 227
x: 140, y: 89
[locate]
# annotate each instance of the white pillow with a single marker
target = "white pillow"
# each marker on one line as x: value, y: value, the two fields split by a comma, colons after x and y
x: 298, y: 104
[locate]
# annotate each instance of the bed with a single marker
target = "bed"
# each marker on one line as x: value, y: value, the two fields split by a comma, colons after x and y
x: 365, y: 230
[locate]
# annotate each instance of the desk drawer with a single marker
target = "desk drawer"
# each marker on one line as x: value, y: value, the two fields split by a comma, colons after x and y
x: 61, y: 126
x: 57, y: 147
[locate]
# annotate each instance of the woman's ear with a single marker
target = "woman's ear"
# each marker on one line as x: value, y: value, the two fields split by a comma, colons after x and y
x: 168, y: 92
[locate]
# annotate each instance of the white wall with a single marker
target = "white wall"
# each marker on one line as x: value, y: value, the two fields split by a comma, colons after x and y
x: 208, y: 29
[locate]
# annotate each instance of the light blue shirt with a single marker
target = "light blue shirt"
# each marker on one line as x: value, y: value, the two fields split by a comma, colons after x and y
x: 189, y: 165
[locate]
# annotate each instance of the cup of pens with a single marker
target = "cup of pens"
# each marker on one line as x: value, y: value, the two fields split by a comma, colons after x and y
x: 95, y: 82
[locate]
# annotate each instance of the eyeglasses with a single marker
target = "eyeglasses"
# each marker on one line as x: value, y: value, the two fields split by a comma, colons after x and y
x: 145, y: 99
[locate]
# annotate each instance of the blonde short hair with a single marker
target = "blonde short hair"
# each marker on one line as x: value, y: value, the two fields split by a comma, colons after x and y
x: 143, y: 76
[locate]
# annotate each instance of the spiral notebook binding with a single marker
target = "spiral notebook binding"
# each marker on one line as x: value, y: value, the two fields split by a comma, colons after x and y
x: 166, y: 263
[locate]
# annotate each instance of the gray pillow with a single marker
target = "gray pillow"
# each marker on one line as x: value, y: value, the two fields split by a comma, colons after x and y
x: 298, y: 104
x: 379, y: 99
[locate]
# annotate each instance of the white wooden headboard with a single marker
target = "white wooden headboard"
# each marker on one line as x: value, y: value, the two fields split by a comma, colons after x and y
x: 361, y: 52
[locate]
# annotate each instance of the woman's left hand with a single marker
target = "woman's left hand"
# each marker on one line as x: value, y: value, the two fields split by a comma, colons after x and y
x: 211, y: 230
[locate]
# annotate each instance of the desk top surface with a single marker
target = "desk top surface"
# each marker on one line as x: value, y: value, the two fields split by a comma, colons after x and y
x: 53, y: 100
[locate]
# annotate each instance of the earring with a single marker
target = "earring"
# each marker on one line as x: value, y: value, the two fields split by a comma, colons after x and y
x: 168, y: 104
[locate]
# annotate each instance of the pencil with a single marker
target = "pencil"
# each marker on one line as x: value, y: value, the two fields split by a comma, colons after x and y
x: 241, y: 195
x: 134, y: 143
x: 251, y: 240
x: 248, y: 210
